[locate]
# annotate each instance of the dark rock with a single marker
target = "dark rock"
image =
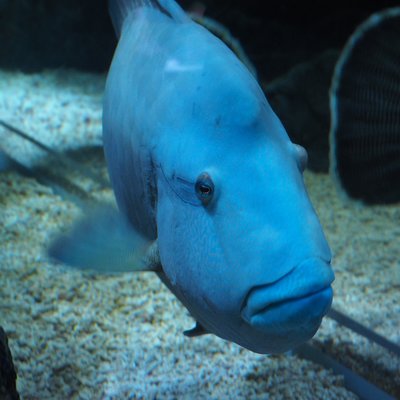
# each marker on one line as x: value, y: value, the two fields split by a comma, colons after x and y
x: 301, y: 100
x: 8, y: 376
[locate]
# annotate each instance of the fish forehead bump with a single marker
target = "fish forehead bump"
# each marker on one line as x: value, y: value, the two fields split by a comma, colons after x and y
x: 206, y: 81
x: 194, y: 79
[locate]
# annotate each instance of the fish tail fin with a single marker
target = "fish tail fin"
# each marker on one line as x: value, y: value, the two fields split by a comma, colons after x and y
x: 120, y: 9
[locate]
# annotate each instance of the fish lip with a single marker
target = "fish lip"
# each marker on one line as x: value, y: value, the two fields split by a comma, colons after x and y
x: 271, y: 306
x: 260, y: 298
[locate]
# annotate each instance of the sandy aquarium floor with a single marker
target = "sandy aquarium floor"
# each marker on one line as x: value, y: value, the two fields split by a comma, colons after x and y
x: 76, y: 336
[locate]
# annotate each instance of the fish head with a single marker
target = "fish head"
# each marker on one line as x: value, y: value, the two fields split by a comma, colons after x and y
x: 240, y: 241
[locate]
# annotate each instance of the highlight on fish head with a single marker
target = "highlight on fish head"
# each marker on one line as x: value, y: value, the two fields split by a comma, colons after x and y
x: 239, y: 240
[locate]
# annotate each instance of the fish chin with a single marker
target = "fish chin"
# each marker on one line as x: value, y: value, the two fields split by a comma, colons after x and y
x: 293, y: 322
x: 289, y: 311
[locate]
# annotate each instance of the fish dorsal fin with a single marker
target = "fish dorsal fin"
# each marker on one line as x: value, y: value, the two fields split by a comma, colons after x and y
x: 120, y: 9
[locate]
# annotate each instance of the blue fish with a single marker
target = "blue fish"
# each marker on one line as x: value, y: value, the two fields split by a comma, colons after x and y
x: 208, y: 184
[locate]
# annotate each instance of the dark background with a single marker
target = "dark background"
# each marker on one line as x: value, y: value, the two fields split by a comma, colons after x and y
x: 37, y: 34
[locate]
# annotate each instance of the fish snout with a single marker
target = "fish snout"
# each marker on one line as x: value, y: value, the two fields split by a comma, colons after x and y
x: 289, y: 311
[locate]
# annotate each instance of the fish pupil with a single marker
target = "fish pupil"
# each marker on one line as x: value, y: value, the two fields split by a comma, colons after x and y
x: 205, y: 190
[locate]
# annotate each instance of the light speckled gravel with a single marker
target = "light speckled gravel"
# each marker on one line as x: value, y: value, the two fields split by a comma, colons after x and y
x: 78, y: 336
x: 57, y: 107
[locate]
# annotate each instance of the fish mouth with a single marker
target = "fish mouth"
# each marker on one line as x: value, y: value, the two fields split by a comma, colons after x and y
x: 295, y: 304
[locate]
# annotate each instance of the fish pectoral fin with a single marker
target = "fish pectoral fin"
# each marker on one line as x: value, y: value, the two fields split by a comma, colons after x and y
x: 197, y: 330
x: 104, y: 241
x: 151, y: 260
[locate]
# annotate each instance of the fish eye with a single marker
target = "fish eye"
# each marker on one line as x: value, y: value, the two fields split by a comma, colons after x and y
x: 302, y: 157
x: 204, y: 188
